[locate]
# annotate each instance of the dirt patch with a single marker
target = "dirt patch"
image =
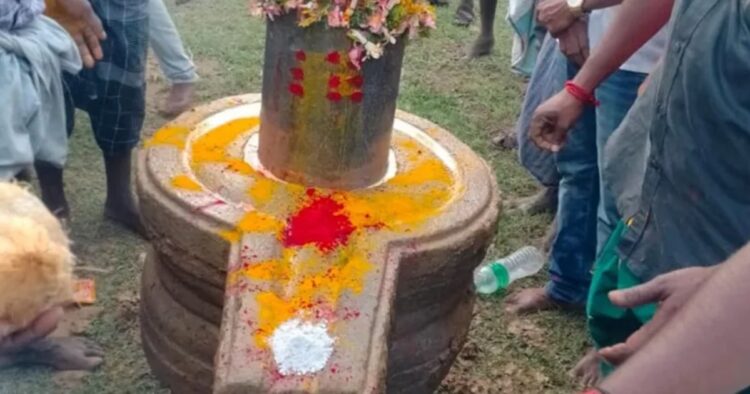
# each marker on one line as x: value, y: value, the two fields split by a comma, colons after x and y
x: 528, y: 332
x: 77, y: 321
x: 127, y: 306
x: 68, y: 381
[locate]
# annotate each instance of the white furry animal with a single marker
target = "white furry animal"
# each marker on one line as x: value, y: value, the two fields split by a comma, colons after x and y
x: 36, y: 264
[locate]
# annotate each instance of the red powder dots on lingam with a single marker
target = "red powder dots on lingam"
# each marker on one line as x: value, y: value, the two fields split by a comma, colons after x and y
x: 356, y: 97
x: 356, y: 81
x: 298, y: 74
x: 300, y: 56
x: 322, y: 223
x: 334, y: 96
x: 333, y: 57
x: 296, y: 89
x: 334, y: 81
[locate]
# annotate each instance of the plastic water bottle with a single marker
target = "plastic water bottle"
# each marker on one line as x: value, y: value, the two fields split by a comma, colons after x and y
x: 497, y: 275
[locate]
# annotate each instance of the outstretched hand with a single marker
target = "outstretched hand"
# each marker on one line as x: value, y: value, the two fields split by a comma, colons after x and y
x: 671, y: 291
x: 553, y: 119
x: 81, y: 22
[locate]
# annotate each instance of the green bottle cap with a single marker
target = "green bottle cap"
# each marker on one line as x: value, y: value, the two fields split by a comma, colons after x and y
x: 501, y: 273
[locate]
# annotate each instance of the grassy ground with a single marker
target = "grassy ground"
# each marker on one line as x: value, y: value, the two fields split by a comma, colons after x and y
x: 474, y: 99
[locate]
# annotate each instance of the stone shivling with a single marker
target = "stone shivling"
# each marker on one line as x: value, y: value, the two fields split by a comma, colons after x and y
x: 312, y: 238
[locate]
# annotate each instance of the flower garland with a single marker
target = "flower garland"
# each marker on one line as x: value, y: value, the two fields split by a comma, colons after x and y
x: 371, y: 24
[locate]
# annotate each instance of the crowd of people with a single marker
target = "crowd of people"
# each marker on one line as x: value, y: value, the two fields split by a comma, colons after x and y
x: 635, y: 122
x: 637, y: 115
x: 58, y: 56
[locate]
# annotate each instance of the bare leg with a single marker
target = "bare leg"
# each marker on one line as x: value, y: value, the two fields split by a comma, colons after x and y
x: 65, y: 354
x: 486, y: 40
x: 120, y: 206
x: 23, y: 176
x: 464, y: 13
x: 587, y: 370
x: 543, y: 201
x: 53, y: 189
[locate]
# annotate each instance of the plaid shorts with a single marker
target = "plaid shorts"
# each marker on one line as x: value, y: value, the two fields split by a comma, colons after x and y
x: 113, y: 93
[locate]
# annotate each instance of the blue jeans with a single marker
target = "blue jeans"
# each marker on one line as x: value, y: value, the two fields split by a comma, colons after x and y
x: 175, y: 63
x: 581, y: 219
x: 617, y: 94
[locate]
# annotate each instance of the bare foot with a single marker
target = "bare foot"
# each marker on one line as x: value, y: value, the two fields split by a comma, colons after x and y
x: 464, y: 13
x: 545, y: 200
x: 65, y: 354
x: 463, y: 18
x: 587, y: 370
x: 127, y: 216
x: 505, y: 139
x: 533, y: 300
x: 180, y: 98
x: 482, y: 47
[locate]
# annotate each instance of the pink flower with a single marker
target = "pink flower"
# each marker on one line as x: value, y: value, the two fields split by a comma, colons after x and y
x: 355, y: 56
x: 336, y: 17
x: 376, y: 20
x: 428, y: 20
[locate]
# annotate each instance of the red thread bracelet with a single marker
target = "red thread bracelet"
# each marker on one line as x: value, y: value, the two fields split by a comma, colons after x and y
x: 581, y: 94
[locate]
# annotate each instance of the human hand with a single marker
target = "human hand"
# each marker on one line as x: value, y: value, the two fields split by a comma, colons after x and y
x: 555, y: 16
x: 574, y: 42
x: 670, y: 290
x: 79, y: 19
x: 42, y: 326
x: 553, y: 119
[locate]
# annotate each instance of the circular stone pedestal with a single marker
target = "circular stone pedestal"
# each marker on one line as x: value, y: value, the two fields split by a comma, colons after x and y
x: 321, y: 290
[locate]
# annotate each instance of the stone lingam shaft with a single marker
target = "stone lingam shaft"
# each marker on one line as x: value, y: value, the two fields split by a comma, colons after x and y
x: 312, y: 239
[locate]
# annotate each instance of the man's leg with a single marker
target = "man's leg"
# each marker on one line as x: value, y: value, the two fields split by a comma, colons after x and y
x: 173, y: 59
x: 464, y: 13
x: 486, y: 40
x: 53, y: 189
x: 573, y: 250
x: 616, y: 94
x: 119, y: 108
x: 120, y: 205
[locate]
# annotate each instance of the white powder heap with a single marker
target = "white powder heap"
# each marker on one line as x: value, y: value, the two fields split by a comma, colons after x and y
x: 301, y: 348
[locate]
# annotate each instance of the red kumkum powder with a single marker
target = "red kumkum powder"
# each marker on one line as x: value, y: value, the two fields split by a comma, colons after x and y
x: 322, y: 223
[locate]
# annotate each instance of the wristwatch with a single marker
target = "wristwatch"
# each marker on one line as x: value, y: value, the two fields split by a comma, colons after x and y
x: 576, y: 7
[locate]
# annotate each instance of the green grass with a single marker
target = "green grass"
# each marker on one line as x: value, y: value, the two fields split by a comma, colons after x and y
x: 473, y: 99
